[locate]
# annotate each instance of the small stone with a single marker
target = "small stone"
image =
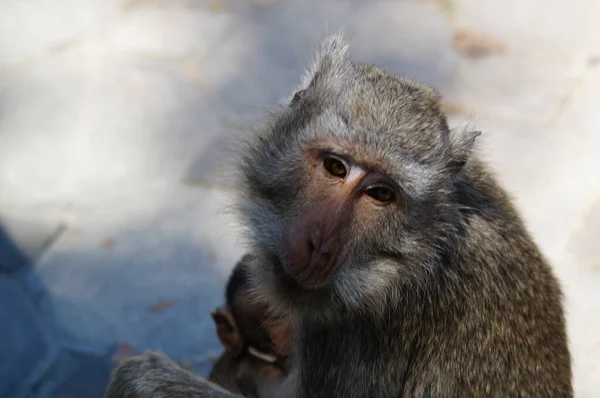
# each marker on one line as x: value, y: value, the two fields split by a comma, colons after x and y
x: 593, y: 61
x: 70, y: 235
x: 108, y: 243
x: 124, y: 350
x: 472, y: 44
x: 163, y: 305
x: 217, y: 5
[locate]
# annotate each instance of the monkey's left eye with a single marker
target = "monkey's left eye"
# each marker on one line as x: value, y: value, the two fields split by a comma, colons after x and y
x: 381, y: 194
x: 335, y: 167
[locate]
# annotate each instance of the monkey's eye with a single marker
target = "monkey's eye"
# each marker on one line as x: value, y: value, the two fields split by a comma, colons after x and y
x: 335, y: 167
x: 384, y: 195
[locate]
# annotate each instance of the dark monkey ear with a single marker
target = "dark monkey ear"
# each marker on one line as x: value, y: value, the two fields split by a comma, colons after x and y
x: 461, y: 144
x: 331, y: 56
x: 227, y: 331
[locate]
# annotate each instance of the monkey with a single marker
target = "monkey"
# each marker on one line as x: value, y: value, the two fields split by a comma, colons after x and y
x: 257, y: 346
x: 404, y: 265
x: 248, y: 376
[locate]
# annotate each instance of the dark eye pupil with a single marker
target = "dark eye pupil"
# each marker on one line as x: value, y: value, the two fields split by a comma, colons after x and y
x: 335, y: 167
x: 381, y: 194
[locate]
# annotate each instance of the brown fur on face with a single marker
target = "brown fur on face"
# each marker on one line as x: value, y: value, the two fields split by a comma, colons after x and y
x: 248, y: 366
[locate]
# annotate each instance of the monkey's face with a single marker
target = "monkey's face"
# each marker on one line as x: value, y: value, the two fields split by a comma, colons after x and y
x: 257, y: 348
x: 247, y: 376
x: 345, y: 188
x: 344, y: 196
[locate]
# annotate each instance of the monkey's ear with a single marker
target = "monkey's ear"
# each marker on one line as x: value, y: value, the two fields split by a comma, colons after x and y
x: 332, y: 54
x: 461, y: 147
x: 227, y: 331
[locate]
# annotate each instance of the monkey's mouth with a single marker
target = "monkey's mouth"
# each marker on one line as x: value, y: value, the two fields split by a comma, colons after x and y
x: 296, y: 283
x: 283, y: 276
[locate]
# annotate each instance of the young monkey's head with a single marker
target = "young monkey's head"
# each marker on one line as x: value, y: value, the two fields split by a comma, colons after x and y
x: 348, y: 189
x: 257, y: 346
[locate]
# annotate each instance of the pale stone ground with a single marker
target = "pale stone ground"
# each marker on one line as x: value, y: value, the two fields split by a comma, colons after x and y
x: 116, y: 117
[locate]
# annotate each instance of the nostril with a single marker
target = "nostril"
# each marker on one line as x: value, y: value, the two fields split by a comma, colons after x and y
x: 314, y: 241
x: 311, y: 246
x: 325, y: 256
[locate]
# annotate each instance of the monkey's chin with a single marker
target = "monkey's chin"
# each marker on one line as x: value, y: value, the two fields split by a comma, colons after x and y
x: 284, y: 278
x: 287, y: 295
x: 293, y: 284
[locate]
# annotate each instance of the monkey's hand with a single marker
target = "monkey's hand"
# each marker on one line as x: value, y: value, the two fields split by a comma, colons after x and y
x: 153, y: 375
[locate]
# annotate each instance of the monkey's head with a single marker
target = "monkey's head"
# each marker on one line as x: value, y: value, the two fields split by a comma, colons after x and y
x: 349, y: 188
x: 245, y: 326
x: 257, y: 346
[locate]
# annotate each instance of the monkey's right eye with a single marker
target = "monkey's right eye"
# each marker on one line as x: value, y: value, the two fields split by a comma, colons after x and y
x: 381, y: 194
x: 335, y: 167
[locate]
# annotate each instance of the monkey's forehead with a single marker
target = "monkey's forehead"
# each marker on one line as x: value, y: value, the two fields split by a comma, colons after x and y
x: 385, y: 129
x: 413, y: 153
x: 372, y: 100
x: 394, y: 148
x: 367, y: 104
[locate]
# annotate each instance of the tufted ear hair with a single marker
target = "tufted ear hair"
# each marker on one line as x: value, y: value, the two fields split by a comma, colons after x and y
x: 461, y: 142
x: 333, y: 53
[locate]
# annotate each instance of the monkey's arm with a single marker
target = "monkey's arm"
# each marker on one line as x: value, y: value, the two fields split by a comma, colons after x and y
x: 153, y: 375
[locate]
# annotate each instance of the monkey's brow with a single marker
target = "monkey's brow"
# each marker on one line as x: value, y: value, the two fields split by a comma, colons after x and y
x: 371, y: 165
x: 355, y: 154
x: 350, y: 155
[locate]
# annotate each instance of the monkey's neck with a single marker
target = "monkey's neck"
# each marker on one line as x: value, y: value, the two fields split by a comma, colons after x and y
x: 354, y: 343
x: 354, y: 346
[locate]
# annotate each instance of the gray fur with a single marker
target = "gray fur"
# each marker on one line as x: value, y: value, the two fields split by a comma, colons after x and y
x: 448, y: 297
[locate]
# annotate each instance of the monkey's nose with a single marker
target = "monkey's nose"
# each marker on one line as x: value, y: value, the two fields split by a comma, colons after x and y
x: 321, y: 250
x: 315, y: 265
x: 312, y: 247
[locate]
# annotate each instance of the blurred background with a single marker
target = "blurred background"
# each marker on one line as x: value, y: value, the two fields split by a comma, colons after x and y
x: 116, y: 123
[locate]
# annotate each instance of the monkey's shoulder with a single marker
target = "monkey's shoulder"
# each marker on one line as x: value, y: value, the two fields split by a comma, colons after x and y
x: 495, y: 234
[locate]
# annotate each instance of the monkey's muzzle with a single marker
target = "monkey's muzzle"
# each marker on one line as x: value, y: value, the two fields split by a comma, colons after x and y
x: 313, y: 247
